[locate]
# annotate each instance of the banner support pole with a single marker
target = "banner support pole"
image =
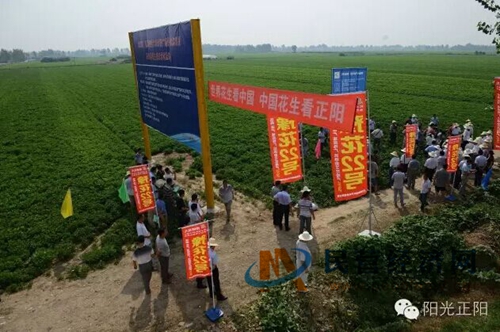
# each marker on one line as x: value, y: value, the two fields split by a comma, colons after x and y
x: 144, y: 127
x: 370, y: 209
x: 203, y: 116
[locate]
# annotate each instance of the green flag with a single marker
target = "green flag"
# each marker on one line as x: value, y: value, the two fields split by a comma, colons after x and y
x: 122, y: 193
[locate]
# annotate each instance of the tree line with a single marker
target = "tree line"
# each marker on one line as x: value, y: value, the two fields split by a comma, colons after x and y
x: 18, y: 55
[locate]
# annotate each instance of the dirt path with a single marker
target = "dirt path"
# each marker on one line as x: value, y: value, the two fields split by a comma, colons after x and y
x: 113, y: 299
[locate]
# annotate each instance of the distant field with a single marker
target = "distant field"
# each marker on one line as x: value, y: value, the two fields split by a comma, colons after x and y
x: 77, y: 126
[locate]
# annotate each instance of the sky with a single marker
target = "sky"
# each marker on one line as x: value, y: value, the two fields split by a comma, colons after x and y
x: 84, y: 24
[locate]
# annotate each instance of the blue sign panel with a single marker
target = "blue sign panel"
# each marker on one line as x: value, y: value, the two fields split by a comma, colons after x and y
x: 166, y: 82
x: 348, y: 80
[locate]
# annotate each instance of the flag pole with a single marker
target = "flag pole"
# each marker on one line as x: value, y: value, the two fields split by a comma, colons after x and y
x: 211, y: 275
x: 303, y: 155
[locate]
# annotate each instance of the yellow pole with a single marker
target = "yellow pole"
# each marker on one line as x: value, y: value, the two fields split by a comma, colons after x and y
x: 203, y: 116
x: 145, y: 130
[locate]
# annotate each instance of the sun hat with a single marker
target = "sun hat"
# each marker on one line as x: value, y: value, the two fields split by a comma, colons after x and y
x: 468, y: 152
x: 489, y: 132
x: 394, y: 153
x: 160, y: 183
x: 484, y: 146
x: 306, y: 188
x: 466, y: 155
x: 212, y: 242
x: 394, y: 121
x: 484, y: 133
x: 413, y: 115
x: 433, y: 154
x: 402, y: 150
x: 478, y: 140
x: 305, y: 236
x: 128, y: 173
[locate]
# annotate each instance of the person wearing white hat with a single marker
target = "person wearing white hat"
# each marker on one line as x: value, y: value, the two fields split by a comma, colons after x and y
x: 404, y: 161
x: 301, y: 257
x: 466, y: 136
x: 455, y: 131
x: 431, y: 165
x: 214, y: 261
x: 393, y: 164
x: 306, y: 210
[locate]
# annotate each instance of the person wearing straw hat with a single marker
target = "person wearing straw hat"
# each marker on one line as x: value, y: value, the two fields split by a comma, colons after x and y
x: 393, y: 164
x: 393, y: 131
x: 466, y: 136
x: 304, y: 237
x: 214, y: 277
x: 306, y: 210
x: 455, y: 131
x: 404, y: 161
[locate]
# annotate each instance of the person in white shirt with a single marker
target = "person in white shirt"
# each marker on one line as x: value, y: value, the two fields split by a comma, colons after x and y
x: 301, y: 244
x: 393, y: 164
x: 130, y: 190
x: 428, y: 140
x: 163, y: 254
x: 404, y: 161
x: 142, y: 259
x: 466, y: 137
x: 226, y: 195
x: 456, y: 130
x: 424, y: 192
x: 398, y: 179
x: 194, y: 200
x: 169, y: 174
x: 305, y: 211
x: 285, y: 202
x: 480, y: 164
x: 214, y: 260
x: 142, y: 230
x: 195, y: 216
x: 431, y: 165
x: 377, y: 135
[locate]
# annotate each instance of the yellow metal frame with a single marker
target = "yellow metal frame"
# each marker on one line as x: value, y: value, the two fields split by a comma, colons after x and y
x: 144, y: 127
x: 202, y: 113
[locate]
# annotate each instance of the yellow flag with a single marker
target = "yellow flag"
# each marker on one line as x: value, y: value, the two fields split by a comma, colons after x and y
x: 67, y: 206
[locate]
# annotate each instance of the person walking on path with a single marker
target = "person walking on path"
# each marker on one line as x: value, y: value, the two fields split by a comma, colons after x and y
x: 393, y: 130
x: 413, y: 171
x: 284, y: 200
x: 226, y: 194
x: 142, y: 230
x: 276, y: 206
x: 424, y: 192
x: 214, y: 259
x: 142, y: 258
x: 163, y: 254
x: 195, y: 216
x: 398, y: 179
x: 305, y: 210
x: 441, y: 181
x: 301, y: 257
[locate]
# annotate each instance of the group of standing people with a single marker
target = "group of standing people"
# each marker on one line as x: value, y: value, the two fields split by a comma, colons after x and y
x: 171, y: 209
x: 475, y: 158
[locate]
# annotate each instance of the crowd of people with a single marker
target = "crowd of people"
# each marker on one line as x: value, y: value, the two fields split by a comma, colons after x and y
x: 172, y: 211
x: 476, y: 157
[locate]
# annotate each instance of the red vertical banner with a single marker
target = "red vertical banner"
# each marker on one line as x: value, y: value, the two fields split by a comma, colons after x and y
x: 452, y: 152
x: 496, y: 125
x: 143, y: 192
x: 285, y: 149
x: 196, y: 257
x: 411, y: 139
x: 350, y: 158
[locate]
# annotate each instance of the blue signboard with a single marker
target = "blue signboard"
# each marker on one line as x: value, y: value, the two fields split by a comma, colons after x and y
x: 166, y: 82
x: 348, y: 80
